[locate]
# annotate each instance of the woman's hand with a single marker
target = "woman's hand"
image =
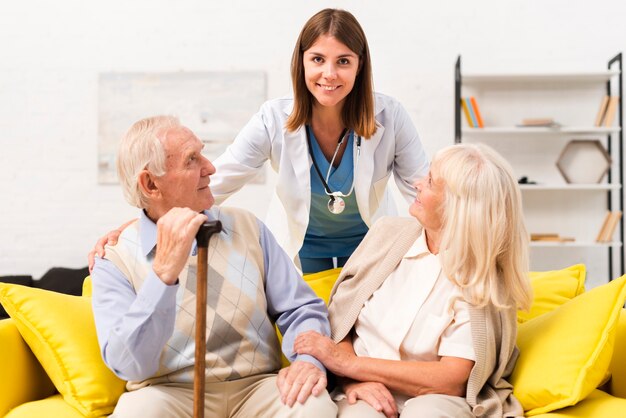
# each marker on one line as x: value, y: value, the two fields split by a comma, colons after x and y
x: 108, y: 238
x: 375, y: 394
x: 336, y: 359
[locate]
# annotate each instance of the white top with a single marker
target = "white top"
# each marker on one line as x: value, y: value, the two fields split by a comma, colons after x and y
x: 394, y: 148
x: 417, y: 314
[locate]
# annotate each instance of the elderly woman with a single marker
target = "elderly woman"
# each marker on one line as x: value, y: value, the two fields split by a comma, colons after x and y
x: 423, y: 315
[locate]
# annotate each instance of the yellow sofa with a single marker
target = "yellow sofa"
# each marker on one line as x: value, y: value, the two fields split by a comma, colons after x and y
x: 28, y: 391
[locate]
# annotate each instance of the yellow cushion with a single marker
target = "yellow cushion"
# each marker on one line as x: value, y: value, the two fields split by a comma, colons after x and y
x: 617, y: 385
x: 597, y: 404
x: 565, y: 354
x: 54, y: 406
x: 87, y: 287
x: 60, y: 331
x: 22, y: 378
x: 552, y: 289
x: 322, y: 283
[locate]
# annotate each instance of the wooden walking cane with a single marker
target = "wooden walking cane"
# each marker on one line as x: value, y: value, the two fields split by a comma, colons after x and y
x: 203, y: 236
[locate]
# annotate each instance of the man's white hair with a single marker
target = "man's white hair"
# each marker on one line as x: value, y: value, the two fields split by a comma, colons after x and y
x: 141, y: 149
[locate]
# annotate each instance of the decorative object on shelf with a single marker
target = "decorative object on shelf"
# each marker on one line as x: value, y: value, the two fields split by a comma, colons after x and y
x: 608, y: 226
x: 550, y: 237
x: 524, y: 180
x: 584, y: 161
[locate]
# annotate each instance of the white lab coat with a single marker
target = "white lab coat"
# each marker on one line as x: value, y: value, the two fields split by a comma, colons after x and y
x: 395, y: 147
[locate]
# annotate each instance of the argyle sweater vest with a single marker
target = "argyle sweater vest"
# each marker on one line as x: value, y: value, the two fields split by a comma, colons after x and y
x: 241, y: 339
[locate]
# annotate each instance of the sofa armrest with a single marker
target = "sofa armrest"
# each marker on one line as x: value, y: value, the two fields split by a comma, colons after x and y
x: 22, y: 379
x: 618, y: 362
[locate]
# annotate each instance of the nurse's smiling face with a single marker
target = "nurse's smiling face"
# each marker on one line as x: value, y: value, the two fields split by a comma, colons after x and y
x: 330, y: 69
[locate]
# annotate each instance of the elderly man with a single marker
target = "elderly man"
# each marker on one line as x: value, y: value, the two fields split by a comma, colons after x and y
x: 144, y: 295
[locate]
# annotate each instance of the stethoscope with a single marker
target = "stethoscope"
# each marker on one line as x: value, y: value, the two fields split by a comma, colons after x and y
x: 336, y: 204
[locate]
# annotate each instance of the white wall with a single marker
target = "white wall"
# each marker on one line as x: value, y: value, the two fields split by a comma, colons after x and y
x: 52, y: 208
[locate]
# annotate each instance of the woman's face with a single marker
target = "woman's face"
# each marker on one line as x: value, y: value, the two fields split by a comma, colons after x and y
x: 427, y: 207
x: 330, y: 69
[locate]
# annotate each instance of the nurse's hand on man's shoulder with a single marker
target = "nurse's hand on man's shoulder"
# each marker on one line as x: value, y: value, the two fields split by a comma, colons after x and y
x: 298, y: 381
x: 109, y: 238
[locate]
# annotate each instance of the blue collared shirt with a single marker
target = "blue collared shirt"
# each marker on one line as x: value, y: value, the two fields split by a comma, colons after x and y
x: 134, y: 327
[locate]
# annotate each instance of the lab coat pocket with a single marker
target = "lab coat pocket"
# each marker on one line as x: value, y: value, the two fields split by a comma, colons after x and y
x: 380, y: 186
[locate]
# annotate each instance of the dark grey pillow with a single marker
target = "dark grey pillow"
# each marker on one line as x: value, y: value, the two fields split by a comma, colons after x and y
x: 63, y: 280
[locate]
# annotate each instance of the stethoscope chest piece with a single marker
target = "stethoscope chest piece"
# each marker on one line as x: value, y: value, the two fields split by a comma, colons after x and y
x: 336, y: 205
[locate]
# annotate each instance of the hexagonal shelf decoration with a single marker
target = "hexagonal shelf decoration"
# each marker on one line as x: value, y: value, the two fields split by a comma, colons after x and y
x: 584, y: 161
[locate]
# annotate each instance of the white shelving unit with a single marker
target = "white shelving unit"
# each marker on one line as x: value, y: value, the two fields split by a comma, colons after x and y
x: 551, y: 205
x: 571, y: 187
x: 589, y: 244
x: 565, y: 130
x: 541, y: 78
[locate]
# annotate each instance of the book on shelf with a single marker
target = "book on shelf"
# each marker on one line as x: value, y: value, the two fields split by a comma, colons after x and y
x: 479, y: 118
x: 539, y: 123
x: 552, y: 237
x: 602, y: 111
x: 605, y: 222
x: 467, y: 113
x: 611, y: 110
x: 608, y: 226
x: 471, y: 112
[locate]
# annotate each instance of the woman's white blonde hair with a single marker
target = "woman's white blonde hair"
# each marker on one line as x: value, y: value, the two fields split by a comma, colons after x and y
x: 141, y: 149
x: 484, y: 239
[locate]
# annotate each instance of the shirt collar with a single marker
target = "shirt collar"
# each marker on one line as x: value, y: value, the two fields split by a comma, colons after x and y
x: 148, y: 232
x: 419, y: 247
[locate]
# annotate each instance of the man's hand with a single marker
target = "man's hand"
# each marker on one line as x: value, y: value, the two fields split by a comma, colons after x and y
x: 176, y: 231
x: 336, y: 359
x: 375, y: 394
x: 298, y: 381
x: 108, y: 238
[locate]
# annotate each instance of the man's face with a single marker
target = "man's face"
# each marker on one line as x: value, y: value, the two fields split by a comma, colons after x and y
x: 186, y: 179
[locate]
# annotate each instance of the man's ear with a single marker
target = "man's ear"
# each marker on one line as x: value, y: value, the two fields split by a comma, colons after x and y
x: 147, y: 185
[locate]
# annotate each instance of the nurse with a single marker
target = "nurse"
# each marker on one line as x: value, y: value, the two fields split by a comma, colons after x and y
x: 334, y: 145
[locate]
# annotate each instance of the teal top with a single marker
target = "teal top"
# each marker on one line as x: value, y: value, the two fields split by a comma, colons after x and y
x: 329, y: 234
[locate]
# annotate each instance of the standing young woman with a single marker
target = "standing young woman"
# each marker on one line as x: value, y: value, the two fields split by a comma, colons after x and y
x: 333, y: 145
